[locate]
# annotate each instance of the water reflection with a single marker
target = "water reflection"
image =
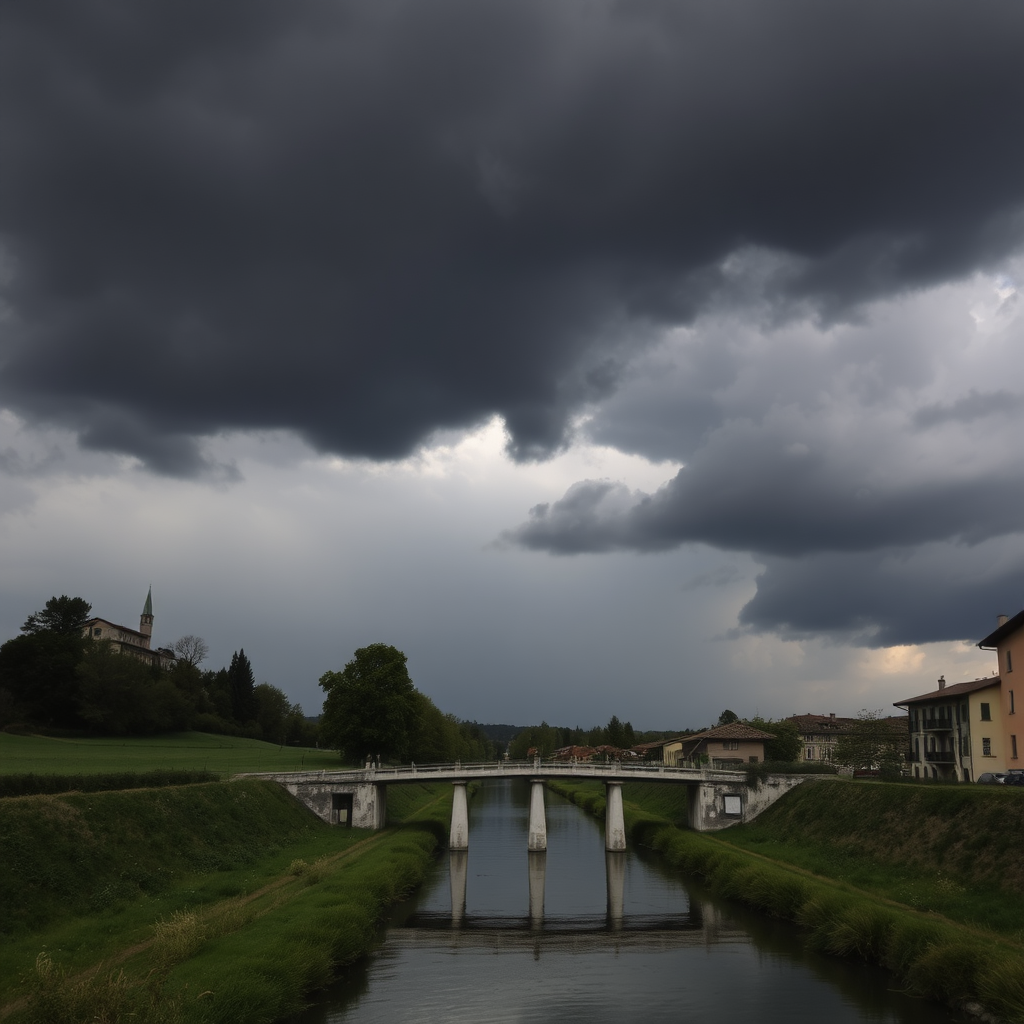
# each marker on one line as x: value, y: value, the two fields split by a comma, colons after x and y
x: 592, y: 937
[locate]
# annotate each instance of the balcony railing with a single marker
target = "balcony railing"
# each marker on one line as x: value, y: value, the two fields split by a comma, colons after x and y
x: 912, y: 755
x: 943, y: 723
x: 940, y: 756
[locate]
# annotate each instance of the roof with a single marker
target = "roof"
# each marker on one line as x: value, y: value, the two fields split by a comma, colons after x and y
x: 147, y: 608
x: 952, y: 690
x: 1003, y: 631
x: 124, y: 629
x: 732, y: 731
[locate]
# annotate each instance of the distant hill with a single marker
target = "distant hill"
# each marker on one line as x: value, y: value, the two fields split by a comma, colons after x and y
x: 500, y: 734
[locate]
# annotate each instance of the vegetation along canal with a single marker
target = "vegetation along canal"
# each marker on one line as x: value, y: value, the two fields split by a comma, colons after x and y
x: 576, y: 935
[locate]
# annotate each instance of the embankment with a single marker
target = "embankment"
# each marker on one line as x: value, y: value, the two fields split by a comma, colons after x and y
x: 218, y: 902
x: 925, y: 881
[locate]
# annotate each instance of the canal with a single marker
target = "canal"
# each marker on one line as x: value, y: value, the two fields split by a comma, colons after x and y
x: 578, y: 935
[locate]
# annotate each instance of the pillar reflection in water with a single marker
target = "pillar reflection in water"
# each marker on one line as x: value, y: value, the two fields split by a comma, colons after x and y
x: 458, y: 869
x: 537, y: 866
x: 615, y: 868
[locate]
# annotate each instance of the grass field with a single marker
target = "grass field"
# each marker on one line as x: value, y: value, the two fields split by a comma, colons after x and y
x: 46, y: 755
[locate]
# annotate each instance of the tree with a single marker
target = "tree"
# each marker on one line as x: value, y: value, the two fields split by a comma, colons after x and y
x: 874, y: 741
x: 371, y: 706
x: 193, y: 650
x: 787, y: 743
x: 37, y: 671
x: 727, y: 717
x: 63, y: 615
x: 241, y: 684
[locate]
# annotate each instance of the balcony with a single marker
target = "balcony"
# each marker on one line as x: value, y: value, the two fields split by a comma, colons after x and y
x: 942, y: 723
x: 912, y: 756
x: 940, y: 756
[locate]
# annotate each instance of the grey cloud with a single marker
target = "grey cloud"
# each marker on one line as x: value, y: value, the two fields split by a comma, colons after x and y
x: 889, y: 597
x: 971, y: 407
x: 364, y: 222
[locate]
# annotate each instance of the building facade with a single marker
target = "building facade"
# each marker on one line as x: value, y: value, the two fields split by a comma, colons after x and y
x: 819, y: 735
x: 1007, y: 640
x: 956, y: 731
x: 726, y: 745
x: 135, y: 642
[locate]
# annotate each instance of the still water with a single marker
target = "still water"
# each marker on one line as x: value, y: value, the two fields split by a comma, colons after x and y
x: 578, y: 935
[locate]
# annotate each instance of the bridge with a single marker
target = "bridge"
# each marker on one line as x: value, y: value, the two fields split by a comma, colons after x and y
x: 716, y: 798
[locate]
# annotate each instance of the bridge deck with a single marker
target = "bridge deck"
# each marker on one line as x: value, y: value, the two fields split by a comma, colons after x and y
x: 505, y: 770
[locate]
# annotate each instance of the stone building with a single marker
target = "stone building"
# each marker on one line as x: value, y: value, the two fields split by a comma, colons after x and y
x: 136, y: 642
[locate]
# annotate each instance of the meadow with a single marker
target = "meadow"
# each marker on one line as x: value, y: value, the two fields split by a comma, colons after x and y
x: 190, y: 751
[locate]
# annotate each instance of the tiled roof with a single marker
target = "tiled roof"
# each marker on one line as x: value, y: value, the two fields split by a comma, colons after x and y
x: 951, y: 690
x: 732, y: 731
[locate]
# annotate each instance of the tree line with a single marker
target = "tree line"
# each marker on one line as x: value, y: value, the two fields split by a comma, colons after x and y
x: 55, y: 676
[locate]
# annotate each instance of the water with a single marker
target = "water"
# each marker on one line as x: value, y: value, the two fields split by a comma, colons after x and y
x: 578, y: 935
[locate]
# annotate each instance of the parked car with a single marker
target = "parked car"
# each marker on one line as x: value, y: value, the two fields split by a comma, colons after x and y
x: 992, y: 778
x: 1014, y: 779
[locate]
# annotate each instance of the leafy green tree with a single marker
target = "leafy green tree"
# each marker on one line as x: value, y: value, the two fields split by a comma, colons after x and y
x: 37, y: 671
x: 63, y: 615
x: 371, y: 706
x: 119, y: 695
x: 787, y: 743
x: 874, y: 741
x: 279, y: 720
x: 727, y: 717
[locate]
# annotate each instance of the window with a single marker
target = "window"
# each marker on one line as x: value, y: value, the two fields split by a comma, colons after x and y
x: 986, y: 713
x: 733, y: 805
x: 1012, y: 710
x: 986, y: 746
x: 730, y: 744
x: 810, y: 754
x: 1013, y: 747
x: 97, y: 631
x: 1009, y: 661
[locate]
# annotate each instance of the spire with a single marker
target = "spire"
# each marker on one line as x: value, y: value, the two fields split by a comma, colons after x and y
x: 146, y: 620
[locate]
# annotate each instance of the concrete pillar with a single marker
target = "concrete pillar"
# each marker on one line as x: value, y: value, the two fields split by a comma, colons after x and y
x: 458, y: 838
x: 538, y: 840
x: 614, y: 823
x: 537, y: 868
x: 615, y: 869
x: 458, y: 870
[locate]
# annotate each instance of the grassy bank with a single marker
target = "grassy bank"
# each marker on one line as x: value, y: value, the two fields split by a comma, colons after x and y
x: 220, y: 902
x: 831, y: 860
x: 190, y: 751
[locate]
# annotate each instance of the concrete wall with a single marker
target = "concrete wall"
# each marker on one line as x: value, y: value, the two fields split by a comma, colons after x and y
x: 369, y: 801
x: 717, y: 805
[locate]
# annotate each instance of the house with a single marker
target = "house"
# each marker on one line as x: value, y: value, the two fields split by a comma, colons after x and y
x: 819, y: 734
x: 1007, y: 638
x: 956, y: 730
x: 136, y: 642
x: 724, y: 745
x: 668, y: 751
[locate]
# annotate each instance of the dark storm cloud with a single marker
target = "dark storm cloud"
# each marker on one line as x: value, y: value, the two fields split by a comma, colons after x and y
x: 368, y: 220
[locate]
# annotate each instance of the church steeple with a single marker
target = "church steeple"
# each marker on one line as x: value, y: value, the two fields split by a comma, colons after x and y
x: 146, y: 621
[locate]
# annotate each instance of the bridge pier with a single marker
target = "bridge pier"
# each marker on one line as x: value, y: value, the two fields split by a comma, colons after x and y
x: 614, y: 823
x: 538, y: 840
x: 458, y: 838
x: 536, y: 869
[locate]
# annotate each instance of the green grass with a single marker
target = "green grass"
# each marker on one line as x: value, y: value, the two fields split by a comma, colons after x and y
x: 227, y: 901
x: 188, y: 750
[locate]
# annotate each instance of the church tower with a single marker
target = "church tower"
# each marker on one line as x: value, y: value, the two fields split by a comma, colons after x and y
x: 146, y: 622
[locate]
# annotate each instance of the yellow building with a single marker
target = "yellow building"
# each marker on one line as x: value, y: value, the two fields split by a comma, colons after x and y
x: 1007, y: 640
x: 956, y: 731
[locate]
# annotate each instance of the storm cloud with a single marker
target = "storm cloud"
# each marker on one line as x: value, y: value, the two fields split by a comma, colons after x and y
x: 774, y: 247
x: 365, y: 221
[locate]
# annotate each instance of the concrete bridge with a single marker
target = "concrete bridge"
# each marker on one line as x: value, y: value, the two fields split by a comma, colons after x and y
x: 716, y: 798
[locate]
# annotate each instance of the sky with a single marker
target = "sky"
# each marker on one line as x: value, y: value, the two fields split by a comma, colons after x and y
x: 609, y: 357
